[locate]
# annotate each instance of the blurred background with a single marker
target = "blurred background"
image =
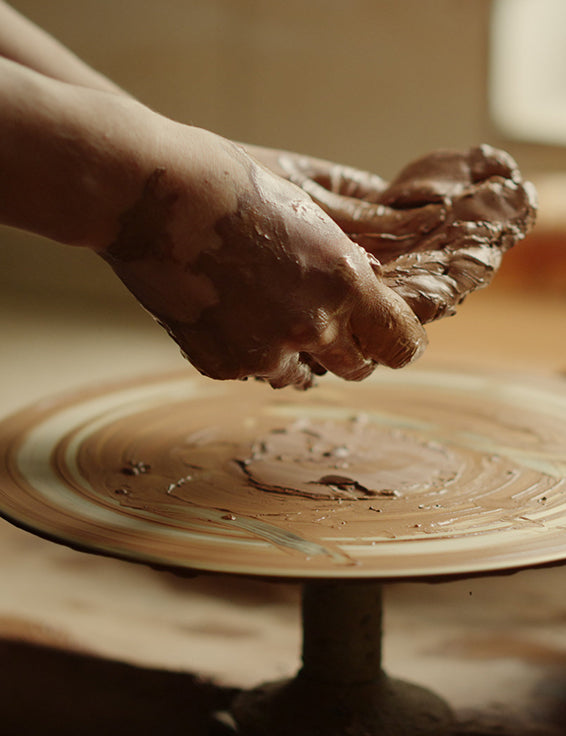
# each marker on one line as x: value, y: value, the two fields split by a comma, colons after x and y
x: 370, y: 83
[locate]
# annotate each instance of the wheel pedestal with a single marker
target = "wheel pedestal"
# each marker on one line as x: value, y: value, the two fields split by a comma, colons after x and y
x: 341, y: 689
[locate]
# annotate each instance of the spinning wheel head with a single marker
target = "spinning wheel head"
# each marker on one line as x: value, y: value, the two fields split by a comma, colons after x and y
x: 410, y: 475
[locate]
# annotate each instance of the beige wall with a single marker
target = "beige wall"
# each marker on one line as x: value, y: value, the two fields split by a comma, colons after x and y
x: 371, y: 83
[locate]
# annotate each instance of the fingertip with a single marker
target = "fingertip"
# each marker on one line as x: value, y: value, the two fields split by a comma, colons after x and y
x: 407, y: 351
x: 314, y: 365
x: 293, y: 372
x: 388, y: 331
x: 343, y: 357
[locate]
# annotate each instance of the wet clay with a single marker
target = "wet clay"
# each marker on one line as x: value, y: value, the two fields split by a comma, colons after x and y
x: 420, y: 476
x: 143, y: 228
x: 439, y: 229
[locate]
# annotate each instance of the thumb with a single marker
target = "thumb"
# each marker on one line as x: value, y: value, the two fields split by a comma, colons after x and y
x: 385, y: 327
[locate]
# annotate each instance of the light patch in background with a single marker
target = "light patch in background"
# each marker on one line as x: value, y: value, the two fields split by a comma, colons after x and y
x: 527, y: 84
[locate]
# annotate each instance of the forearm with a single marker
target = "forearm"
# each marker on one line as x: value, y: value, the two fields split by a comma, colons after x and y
x: 72, y: 159
x: 24, y: 42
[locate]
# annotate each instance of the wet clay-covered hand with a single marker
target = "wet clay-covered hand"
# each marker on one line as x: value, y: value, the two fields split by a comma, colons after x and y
x: 268, y: 272
x: 439, y: 229
x: 484, y: 209
x: 250, y: 276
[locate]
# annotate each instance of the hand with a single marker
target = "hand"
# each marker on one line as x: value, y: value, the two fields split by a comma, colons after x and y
x: 252, y: 278
x: 440, y: 229
x: 351, y: 197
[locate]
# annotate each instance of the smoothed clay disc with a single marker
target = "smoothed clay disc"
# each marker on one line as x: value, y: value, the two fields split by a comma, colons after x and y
x: 416, y: 474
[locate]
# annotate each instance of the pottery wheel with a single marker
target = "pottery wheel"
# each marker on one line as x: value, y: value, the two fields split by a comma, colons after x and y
x: 416, y: 474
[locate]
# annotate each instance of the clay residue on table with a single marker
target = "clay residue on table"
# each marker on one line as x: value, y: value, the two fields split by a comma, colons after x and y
x: 348, y: 461
x: 422, y: 475
x: 422, y: 467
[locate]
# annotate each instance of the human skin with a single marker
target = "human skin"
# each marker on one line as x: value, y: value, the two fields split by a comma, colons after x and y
x: 244, y: 270
x: 259, y: 262
x: 439, y: 229
x: 29, y: 45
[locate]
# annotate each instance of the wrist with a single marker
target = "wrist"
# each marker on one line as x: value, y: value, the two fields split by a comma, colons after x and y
x: 72, y: 158
x: 120, y: 157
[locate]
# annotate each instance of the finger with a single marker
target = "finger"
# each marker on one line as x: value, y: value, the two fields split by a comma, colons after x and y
x: 392, y: 227
x: 342, y: 180
x: 443, y: 174
x: 356, y: 216
x: 385, y: 327
x: 344, y: 358
x: 352, y: 215
x: 500, y: 202
x: 314, y: 365
x: 387, y: 248
x: 452, y: 274
x: 348, y: 182
x: 486, y: 162
x: 429, y: 179
x: 290, y: 370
